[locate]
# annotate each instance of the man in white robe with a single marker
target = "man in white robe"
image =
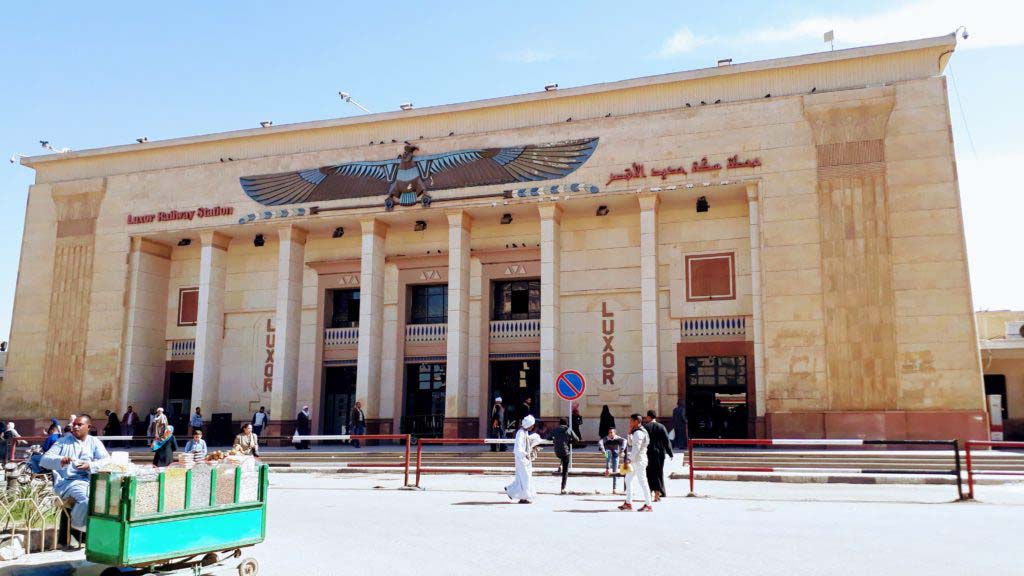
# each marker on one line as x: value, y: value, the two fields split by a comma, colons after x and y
x: 637, y: 450
x: 522, y: 488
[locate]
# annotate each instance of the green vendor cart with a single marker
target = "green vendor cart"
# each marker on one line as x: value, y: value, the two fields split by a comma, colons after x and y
x: 178, y: 521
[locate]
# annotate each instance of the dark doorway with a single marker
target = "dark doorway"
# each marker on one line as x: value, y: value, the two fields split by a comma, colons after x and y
x: 995, y: 385
x: 339, y: 397
x: 179, y: 401
x: 515, y: 381
x: 716, y: 396
x: 424, y: 399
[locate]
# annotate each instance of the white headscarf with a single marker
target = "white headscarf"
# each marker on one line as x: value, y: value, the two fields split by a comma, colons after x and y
x: 528, y: 421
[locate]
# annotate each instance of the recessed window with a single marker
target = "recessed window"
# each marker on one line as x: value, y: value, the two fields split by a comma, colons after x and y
x: 188, y: 306
x: 516, y: 300
x: 345, y: 310
x: 429, y: 304
x: 710, y: 277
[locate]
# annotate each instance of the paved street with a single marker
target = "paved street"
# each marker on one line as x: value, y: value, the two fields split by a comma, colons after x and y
x: 356, y: 524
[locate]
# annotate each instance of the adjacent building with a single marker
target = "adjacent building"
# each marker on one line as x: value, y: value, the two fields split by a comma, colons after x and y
x: 778, y: 245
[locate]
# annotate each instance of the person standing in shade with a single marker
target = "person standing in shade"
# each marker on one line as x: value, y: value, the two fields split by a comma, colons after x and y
x: 197, y: 446
x: 73, y: 459
x: 302, y: 428
x: 526, y: 408
x: 521, y: 489
x: 679, y: 425
x: 164, y: 447
x: 498, y: 424
x: 196, y: 421
x: 128, y: 423
x: 577, y: 421
x: 605, y: 422
x: 637, y: 459
x: 259, y: 420
x: 656, y: 452
x: 247, y: 443
x: 563, y: 438
x: 113, y: 426
x: 357, y: 423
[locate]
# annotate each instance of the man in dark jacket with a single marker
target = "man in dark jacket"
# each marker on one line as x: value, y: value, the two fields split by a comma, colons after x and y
x: 656, y: 452
x: 357, y: 423
x: 563, y: 438
x: 679, y: 425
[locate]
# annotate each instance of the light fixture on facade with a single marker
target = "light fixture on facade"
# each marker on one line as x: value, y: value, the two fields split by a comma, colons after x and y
x: 267, y: 123
x: 420, y: 226
x: 602, y: 210
x: 338, y: 232
x: 506, y: 218
x: 258, y: 241
x: 184, y: 242
x: 551, y: 87
x: 702, y: 204
x: 405, y: 105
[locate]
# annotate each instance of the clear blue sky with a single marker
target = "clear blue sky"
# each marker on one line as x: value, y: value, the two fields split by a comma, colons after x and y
x: 85, y: 75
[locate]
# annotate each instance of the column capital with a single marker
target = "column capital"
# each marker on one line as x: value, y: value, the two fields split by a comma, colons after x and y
x: 151, y: 247
x: 292, y: 233
x: 753, y: 191
x: 459, y: 219
x: 215, y: 239
x: 648, y: 200
x: 550, y: 211
x: 373, y: 226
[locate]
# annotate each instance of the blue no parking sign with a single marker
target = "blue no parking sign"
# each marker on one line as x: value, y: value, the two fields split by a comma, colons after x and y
x: 570, y: 385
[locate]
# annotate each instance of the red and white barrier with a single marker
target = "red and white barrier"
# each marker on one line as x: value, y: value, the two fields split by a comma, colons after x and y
x: 971, y: 473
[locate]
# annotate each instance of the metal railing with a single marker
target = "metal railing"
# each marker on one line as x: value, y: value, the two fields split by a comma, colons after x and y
x: 449, y: 441
x: 971, y: 473
x: 334, y: 337
x: 181, y: 349
x: 361, y: 437
x: 426, y: 332
x: 515, y: 329
x: 789, y: 442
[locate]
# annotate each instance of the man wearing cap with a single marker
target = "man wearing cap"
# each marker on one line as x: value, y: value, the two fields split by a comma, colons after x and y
x: 498, y: 424
x: 522, y: 488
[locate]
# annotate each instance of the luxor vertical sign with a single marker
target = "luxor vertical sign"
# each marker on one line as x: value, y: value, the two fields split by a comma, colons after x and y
x: 608, y: 352
x: 268, y: 364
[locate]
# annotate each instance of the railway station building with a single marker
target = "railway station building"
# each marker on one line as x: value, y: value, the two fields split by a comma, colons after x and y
x: 777, y: 244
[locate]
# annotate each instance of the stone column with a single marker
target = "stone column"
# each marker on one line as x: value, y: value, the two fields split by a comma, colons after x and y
x: 456, y: 399
x: 288, y: 321
x: 209, y: 321
x: 145, y: 351
x: 371, y: 316
x: 550, y: 310
x: 760, y: 376
x: 649, y: 299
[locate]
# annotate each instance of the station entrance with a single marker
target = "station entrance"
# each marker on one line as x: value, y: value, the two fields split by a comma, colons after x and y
x: 717, y: 384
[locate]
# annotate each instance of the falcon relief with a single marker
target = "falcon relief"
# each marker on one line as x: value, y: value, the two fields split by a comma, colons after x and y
x: 408, y: 178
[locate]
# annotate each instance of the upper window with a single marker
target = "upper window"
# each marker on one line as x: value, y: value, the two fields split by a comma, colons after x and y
x: 188, y: 306
x: 516, y: 300
x: 710, y: 277
x: 429, y: 304
x: 345, y: 310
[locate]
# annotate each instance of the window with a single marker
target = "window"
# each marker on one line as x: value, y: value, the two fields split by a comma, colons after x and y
x: 516, y: 300
x: 710, y: 277
x: 429, y: 304
x: 188, y: 306
x: 716, y: 370
x: 345, y: 311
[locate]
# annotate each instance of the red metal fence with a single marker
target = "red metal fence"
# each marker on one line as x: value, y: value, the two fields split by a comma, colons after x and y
x: 971, y: 473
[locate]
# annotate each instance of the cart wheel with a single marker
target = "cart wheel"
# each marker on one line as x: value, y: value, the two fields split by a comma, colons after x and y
x: 248, y: 567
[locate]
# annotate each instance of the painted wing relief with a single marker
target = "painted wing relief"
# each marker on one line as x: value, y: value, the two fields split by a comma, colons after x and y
x: 408, y: 178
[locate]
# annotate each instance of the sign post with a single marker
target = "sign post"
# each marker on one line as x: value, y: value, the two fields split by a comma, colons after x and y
x: 570, y: 386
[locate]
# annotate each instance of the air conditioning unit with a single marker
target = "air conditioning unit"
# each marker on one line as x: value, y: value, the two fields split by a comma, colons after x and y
x: 1015, y: 330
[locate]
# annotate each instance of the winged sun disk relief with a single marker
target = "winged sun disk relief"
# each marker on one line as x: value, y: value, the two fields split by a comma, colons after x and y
x: 408, y: 178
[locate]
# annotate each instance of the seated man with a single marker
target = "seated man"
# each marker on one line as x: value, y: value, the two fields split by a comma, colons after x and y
x: 73, y: 459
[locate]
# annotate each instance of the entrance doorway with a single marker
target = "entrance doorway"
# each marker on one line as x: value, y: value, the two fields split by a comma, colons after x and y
x: 424, y: 399
x: 339, y: 398
x: 716, y: 396
x: 179, y: 400
x: 515, y: 381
